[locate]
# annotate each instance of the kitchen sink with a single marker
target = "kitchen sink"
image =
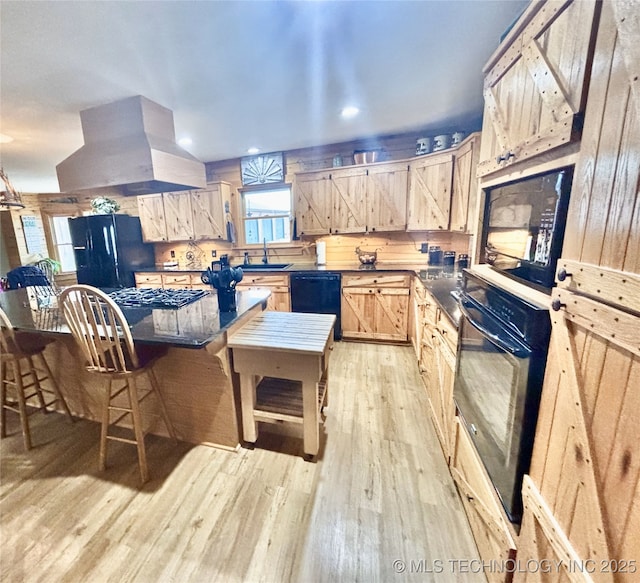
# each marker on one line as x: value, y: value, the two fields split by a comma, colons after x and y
x: 264, y: 266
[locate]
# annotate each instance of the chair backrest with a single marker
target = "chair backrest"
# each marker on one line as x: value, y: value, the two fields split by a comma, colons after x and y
x: 99, y: 328
x: 47, y: 268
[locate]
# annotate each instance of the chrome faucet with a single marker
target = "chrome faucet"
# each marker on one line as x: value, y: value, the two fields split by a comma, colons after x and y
x: 247, y: 261
x: 265, y: 257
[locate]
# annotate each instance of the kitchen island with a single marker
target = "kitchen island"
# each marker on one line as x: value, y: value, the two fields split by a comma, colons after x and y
x: 195, y: 375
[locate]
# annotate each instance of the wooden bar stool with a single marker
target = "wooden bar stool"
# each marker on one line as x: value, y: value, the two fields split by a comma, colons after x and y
x: 23, y: 366
x: 102, y: 333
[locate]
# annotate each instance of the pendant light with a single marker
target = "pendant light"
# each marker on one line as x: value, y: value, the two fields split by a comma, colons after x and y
x: 10, y: 197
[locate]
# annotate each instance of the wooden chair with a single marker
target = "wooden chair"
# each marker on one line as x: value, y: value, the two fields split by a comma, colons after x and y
x: 102, y: 333
x: 18, y: 357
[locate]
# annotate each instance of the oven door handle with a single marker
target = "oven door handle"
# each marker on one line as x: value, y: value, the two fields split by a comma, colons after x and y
x: 518, y: 349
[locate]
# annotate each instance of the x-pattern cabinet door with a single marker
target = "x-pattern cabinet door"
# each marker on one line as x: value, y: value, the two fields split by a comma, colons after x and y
x: 208, y: 210
x: 535, y: 89
x: 313, y: 201
x: 430, y: 193
x: 349, y: 197
x: 387, y: 197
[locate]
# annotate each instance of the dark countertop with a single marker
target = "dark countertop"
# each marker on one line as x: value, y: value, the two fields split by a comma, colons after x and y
x: 439, y: 284
x: 191, y: 326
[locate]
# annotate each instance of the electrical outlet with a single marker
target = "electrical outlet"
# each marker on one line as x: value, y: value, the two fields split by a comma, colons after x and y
x: 173, y: 254
x: 424, y: 247
x: 214, y: 253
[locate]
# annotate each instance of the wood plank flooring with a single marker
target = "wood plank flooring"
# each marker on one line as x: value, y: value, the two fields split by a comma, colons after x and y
x: 380, y: 493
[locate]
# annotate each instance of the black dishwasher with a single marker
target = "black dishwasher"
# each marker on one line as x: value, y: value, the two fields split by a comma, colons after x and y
x: 317, y: 293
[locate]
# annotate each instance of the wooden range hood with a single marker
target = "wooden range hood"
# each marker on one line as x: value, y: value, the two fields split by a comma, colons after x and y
x: 130, y: 145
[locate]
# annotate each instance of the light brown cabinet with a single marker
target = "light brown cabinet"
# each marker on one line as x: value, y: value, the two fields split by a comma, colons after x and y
x: 152, y: 220
x: 313, y: 203
x: 352, y: 200
x: 277, y: 284
x: 186, y: 215
x: 387, y: 197
x: 464, y: 191
x: 375, y: 307
x: 536, y: 83
x: 177, y: 280
x: 429, y: 204
x: 209, y: 208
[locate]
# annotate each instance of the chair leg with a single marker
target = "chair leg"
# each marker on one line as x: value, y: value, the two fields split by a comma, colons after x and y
x: 137, y: 428
x: 105, y: 427
x: 163, y: 408
x: 3, y: 398
x: 55, y: 386
x: 36, y: 384
x: 22, y: 405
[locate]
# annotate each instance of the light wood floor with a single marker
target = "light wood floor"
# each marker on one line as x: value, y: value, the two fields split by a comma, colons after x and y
x: 379, y: 493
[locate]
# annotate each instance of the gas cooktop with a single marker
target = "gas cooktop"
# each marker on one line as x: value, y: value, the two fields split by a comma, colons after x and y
x: 136, y: 297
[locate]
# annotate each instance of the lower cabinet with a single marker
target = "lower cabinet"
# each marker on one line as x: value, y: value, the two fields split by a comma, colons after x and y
x: 278, y: 285
x: 375, y: 307
x: 494, y: 535
x: 177, y: 280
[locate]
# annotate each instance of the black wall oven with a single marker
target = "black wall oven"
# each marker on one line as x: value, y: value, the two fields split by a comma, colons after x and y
x: 523, y: 227
x: 503, y: 350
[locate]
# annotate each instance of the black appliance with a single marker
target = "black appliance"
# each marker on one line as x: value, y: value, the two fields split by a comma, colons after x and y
x: 108, y: 250
x: 524, y: 224
x: 503, y: 351
x: 317, y: 293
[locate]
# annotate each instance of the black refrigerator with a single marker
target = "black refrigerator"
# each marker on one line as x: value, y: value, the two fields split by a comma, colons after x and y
x: 109, y: 249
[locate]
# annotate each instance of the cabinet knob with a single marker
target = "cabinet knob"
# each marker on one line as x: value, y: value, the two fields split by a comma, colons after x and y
x: 556, y: 305
x: 562, y: 274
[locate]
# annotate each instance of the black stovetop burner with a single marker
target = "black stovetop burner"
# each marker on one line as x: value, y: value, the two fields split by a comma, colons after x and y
x: 136, y: 297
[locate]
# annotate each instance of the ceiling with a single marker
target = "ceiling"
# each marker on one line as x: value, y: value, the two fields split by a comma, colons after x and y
x: 236, y: 74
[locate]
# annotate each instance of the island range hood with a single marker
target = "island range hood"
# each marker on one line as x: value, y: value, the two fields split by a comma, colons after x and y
x: 130, y: 145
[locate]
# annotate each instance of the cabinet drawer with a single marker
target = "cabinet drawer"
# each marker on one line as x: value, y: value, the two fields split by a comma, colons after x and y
x: 148, y: 280
x: 177, y: 279
x: 267, y: 280
x: 377, y: 280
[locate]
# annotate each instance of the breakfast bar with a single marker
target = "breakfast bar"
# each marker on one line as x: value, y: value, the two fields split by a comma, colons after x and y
x: 195, y: 375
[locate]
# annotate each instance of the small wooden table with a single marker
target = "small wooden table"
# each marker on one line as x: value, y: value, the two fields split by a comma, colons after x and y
x: 283, y: 345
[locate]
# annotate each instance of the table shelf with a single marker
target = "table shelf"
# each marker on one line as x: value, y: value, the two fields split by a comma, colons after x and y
x: 281, y: 400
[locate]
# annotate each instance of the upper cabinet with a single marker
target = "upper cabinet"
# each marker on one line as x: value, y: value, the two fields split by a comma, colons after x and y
x: 209, y: 207
x: 178, y: 216
x: 464, y: 192
x: 387, y: 197
x: 151, y: 211
x: 186, y: 215
x: 430, y: 193
x: 348, y: 189
x: 352, y: 200
x: 312, y: 192
x: 536, y: 83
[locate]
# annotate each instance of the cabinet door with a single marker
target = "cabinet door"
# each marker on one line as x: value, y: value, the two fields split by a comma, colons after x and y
x: 375, y: 313
x: 430, y: 193
x: 152, y: 220
x: 391, y: 314
x: 313, y: 202
x: 464, y: 192
x: 537, y: 84
x: 279, y: 300
x: 348, y: 199
x: 178, y: 216
x: 387, y: 197
x: 208, y: 211
x: 441, y: 394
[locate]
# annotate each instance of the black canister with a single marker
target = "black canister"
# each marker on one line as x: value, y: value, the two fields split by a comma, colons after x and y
x: 449, y: 258
x: 435, y: 255
x: 463, y: 262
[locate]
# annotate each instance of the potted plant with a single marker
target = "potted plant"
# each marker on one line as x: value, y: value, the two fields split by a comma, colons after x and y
x: 104, y: 206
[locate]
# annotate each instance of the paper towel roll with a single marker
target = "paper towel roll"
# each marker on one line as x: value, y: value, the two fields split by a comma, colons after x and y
x: 321, y: 252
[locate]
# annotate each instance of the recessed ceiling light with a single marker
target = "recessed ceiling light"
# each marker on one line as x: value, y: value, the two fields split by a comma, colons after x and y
x: 349, y: 111
x: 5, y: 139
x: 185, y: 142
x: 253, y: 150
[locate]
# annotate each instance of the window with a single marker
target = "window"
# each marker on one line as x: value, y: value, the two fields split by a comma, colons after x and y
x: 267, y: 215
x: 62, y: 242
